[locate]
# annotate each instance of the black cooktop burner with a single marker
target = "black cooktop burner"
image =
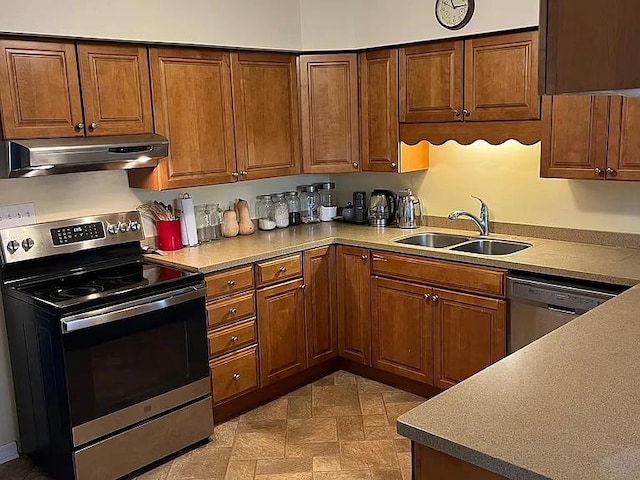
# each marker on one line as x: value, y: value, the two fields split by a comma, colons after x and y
x: 64, y: 293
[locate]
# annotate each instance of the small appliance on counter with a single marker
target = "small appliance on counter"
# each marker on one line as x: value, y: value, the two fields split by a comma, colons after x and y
x: 359, y: 207
x: 382, y: 209
x: 409, y: 209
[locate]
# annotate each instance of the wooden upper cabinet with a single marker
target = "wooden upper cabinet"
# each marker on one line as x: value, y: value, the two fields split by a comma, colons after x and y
x: 379, y: 110
x: 402, y: 329
x: 115, y: 89
x: 354, y: 304
x: 329, y: 113
x: 574, y: 137
x: 281, y: 331
x: 623, y: 162
x: 501, y: 73
x: 39, y: 90
x: 266, y: 113
x: 431, y: 86
x: 469, y: 335
x: 193, y: 109
x: 320, y: 304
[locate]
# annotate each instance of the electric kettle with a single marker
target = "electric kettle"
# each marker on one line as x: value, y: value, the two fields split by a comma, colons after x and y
x: 409, y: 209
x: 382, y: 210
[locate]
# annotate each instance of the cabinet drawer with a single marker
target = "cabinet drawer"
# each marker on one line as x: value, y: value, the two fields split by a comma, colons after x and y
x: 234, y: 374
x: 278, y: 270
x: 447, y: 274
x: 227, y: 339
x: 231, y: 309
x: 229, y: 281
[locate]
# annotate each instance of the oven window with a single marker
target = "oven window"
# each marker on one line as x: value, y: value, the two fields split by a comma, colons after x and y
x: 116, y: 365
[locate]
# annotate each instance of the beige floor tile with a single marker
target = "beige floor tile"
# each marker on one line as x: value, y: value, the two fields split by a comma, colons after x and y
x: 284, y: 465
x: 392, y: 474
x: 286, y: 476
x: 301, y: 392
x: 401, y: 397
x: 350, y: 428
x: 352, y: 475
x: 201, y: 463
x: 276, y: 410
x: 344, y: 378
x: 323, y: 449
x: 323, y: 411
x: 254, y: 446
x: 312, y: 430
x: 371, y: 403
x: 299, y: 407
x: 382, y: 432
x: 224, y: 434
x: 403, y: 445
x: 326, y: 464
x: 366, y: 385
x: 394, y: 410
x: 275, y: 427
x: 404, y: 460
x: 375, y: 420
x: 240, y: 470
x: 406, y: 474
x: 378, y: 454
x: 328, y: 380
x: 158, y: 473
x: 335, y: 395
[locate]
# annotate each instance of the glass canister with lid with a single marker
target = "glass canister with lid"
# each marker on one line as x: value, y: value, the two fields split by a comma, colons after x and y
x: 309, y: 203
x: 265, y: 212
x: 280, y: 210
x: 328, y: 202
x: 293, y: 200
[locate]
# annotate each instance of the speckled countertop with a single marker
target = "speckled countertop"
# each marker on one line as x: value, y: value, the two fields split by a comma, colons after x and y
x: 582, y: 261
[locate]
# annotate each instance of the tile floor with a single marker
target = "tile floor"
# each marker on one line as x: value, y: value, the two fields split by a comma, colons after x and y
x: 341, y: 427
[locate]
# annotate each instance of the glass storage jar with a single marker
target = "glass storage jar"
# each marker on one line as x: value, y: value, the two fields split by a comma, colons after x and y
x: 293, y: 200
x: 309, y: 203
x: 208, y: 222
x: 265, y: 212
x: 280, y: 210
x: 328, y: 203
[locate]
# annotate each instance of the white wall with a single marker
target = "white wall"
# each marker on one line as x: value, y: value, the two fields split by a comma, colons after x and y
x: 271, y: 24
x: 335, y: 24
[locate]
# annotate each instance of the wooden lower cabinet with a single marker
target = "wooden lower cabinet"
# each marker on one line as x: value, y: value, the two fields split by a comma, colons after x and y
x: 469, y: 333
x: 354, y: 304
x: 281, y: 332
x: 234, y: 374
x: 402, y: 328
x: 320, y: 304
x: 430, y: 464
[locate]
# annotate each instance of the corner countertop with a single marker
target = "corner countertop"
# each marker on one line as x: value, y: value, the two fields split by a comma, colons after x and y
x: 615, y: 265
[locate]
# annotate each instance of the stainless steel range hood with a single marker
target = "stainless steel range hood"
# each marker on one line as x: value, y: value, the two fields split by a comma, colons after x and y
x: 30, y: 158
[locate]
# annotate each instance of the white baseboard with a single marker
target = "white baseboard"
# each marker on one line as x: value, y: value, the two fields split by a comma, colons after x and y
x: 8, y: 452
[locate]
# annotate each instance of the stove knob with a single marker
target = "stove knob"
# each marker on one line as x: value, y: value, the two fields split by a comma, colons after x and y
x: 13, y: 247
x: 134, y: 226
x: 27, y: 244
x: 112, y: 228
x: 124, y: 227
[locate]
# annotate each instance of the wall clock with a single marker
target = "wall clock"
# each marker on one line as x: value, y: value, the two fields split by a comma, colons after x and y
x: 454, y: 14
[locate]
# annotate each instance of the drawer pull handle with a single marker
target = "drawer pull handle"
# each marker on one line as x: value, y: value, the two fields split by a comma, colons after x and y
x: 234, y: 339
x: 427, y: 296
x: 364, y: 257
x: 376, y: 258
x: 435, y: 298
x: 236, y: 376
x: 231, y: 283
x: 283, y: 269
x: 303, y: 287
x: 233, y: 311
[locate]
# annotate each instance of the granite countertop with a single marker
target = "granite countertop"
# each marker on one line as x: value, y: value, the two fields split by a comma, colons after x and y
x: 614, y: 265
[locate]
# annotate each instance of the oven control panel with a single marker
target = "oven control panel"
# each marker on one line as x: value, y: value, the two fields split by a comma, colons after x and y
x: 45, y: 239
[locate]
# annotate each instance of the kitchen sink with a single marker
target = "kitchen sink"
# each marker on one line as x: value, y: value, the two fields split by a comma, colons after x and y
x: 491, y: 247
x: 433, y: 240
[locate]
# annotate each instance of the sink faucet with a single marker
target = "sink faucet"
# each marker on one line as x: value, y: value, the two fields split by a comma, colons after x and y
x: 482, y: 222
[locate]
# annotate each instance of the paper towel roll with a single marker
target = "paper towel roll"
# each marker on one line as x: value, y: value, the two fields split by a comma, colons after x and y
x: 189, y: 220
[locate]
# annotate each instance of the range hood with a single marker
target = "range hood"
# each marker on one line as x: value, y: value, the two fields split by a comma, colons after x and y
x: 30, y: 158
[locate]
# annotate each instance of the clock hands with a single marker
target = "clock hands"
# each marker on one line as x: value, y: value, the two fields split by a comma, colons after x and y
x: 455, y: 7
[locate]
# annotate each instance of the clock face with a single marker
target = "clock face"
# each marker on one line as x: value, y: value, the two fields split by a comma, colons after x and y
x: 454, y: 14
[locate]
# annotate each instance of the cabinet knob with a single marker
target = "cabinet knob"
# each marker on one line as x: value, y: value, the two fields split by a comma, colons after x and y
x: 236, y: 376
x: 80, y: 126
x: 235, y: 174
x: 394, y: 164
x: 93, y: 125
x: 234, y: 339
x: 611, y: 172
x: 597, y: 171
x: 231, y: 283
x: 435, y: 298
x: 244, y: 173
x: 303, y: 287
x: 233, y: 311
x: 283, y: 269
x: 364, y: 257
x: 355, y: 164
x: 456, y: 113
x: 466, y: 112
x: 427, y: 296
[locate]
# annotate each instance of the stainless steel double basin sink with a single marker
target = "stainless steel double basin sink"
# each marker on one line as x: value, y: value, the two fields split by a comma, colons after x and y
x: 459, y: 243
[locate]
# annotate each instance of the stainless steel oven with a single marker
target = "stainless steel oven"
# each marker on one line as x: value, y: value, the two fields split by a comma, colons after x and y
x: 110, y: 358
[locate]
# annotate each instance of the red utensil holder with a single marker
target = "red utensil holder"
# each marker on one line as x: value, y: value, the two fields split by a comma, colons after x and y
x: 169, y: 236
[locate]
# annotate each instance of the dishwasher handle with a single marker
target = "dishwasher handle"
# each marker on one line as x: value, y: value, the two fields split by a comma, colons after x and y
x: 567, y: 311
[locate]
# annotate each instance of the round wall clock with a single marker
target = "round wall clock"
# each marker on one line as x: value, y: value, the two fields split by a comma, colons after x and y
x: 454, y: 14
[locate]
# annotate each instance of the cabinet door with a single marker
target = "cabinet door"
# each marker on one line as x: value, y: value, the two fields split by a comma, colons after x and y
x: 329, y: 110
x: 281, y: 331
x: 431, y: 82
x: 574, y: 137
x: 501, y: 77
x: 193, y: 109
x: 623, y: 161
x: 469, y: 335
x: 39, y: 90
x: 379, y: 110
x: 402, y: 329
x: 354, y: 307
x: 116, y: 93
x: 265, y: 106
x: 320, y: 304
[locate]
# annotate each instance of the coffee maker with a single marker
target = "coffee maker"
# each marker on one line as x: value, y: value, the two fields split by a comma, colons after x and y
x: 382, y: 208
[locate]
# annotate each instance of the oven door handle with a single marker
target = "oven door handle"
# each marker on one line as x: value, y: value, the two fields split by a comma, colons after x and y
x: 151, y: 304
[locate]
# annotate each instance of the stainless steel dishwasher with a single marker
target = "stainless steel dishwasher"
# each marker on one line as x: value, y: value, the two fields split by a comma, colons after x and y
x: 539, y: 305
